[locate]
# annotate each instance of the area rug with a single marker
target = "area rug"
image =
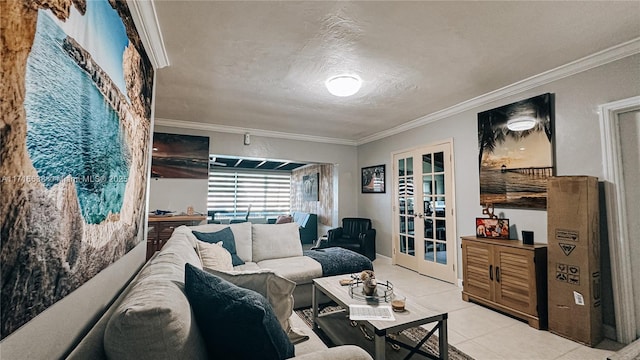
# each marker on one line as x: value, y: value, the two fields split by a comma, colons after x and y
x: 414, y: 334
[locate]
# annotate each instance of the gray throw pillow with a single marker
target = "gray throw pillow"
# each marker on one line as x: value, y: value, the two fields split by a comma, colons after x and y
x: 235, y: 323
x: 277, y: 289
x: 275, y: 242
x: 228, y: 242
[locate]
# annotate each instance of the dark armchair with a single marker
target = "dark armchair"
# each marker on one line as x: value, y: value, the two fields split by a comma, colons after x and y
x: 355, y: 234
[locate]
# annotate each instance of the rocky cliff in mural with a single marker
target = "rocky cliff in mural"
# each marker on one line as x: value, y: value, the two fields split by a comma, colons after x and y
x: 100, y: 78
x: 48, y: 249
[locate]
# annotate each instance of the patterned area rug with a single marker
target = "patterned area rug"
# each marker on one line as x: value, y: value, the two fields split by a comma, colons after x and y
x: 414, y: 334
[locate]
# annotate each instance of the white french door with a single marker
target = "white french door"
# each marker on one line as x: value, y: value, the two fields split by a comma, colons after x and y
x: 424, y: 225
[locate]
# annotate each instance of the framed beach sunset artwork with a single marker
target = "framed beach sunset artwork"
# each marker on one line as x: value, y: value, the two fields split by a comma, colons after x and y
x: 515, y: 157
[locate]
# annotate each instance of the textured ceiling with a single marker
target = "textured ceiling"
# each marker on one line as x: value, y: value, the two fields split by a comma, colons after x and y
x: 262, y: 65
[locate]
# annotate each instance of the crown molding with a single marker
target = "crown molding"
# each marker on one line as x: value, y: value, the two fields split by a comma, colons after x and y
x: 144, y: 16
x: 600, y: 58
x: 254, y: 132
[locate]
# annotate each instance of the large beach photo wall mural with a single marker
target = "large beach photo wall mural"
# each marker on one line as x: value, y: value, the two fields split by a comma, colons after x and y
x: 74, y: 136
x: 516, y: 154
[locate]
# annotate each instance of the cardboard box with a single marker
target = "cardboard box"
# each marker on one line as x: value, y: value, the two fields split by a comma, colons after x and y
x: 574, y: 297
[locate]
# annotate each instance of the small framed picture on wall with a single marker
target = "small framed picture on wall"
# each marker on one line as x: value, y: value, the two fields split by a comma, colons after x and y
x: 373, y: 179
x: 310, y: 187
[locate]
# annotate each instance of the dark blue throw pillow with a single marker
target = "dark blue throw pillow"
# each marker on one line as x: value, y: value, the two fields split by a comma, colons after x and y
x: 236, y: 323
x: 228, y: 242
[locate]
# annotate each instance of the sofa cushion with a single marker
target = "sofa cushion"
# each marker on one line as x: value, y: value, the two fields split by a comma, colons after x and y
x: 299, y: 269
x: 214, y: 256
x: 236, y: 323
x: 241, y: 234
x: 277, y: 289
x: 228, y: 242
x: 275, y: 241
x: 154, y: 321
x: 248, y: 266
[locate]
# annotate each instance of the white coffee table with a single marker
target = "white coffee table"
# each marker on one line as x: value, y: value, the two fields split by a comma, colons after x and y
x: 336, y: 327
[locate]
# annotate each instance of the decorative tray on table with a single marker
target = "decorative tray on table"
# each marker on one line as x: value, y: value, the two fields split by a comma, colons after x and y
x: 383, y: 292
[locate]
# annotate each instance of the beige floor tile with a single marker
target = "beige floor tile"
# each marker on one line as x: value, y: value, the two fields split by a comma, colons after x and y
x: 476, y: 321
x: 479, y: 351
x: 600, y: 352
x: 447, y: 301
x: 410, y: 282
x: 520, y: 341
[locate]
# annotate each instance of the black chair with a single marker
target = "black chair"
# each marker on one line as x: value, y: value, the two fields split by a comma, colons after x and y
x: 211, y: 219
x: 246, y: 218
x: 355, y: 234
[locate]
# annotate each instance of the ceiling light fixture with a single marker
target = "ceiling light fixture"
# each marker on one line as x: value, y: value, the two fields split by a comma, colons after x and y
x: 521, y: 123
x: 344, y: 85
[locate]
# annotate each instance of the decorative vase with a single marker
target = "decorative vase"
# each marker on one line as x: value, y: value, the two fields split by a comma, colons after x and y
x: 368, y: 282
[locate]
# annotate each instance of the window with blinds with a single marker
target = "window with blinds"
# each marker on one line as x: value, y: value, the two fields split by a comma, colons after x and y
x: 232, y: 191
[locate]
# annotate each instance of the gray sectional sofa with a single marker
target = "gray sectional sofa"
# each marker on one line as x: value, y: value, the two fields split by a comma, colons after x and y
x: 153, y: 319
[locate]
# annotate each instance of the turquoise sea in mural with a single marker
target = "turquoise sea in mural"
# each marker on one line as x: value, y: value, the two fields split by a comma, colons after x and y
x: 71, y: 129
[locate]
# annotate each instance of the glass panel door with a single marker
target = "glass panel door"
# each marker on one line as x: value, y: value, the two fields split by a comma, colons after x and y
x: 434, y: 201
x: 405, y: 245
x: 425, y: 238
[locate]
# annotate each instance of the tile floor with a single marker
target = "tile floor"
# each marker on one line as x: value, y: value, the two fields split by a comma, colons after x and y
x: 483, y: 333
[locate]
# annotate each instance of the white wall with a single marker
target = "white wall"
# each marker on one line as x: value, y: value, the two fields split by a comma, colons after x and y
x: 577, y: 147
x: 180, y: 192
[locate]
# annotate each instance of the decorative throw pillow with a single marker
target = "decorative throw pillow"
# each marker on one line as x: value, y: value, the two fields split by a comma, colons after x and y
x: 284, y: 219
x: 275, y: 242
x: 235, y: 323
x: 228, y: 242
x: 277, y: 289
x: 214, y: 256
x: 241, y: 234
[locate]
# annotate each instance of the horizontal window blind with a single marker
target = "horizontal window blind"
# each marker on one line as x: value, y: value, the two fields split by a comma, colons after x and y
x: 232, y: 191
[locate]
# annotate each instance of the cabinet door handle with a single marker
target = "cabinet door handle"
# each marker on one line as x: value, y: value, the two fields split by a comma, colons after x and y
x: 491, y: 272
x: 497, y: 273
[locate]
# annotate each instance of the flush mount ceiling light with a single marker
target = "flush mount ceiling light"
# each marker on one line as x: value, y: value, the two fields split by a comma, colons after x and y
x: 521, y: 123
x: 344, y: 85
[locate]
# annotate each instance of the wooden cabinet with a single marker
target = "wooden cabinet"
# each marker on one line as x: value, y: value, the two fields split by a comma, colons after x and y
x: 508, y: 276
x: 161, y: 228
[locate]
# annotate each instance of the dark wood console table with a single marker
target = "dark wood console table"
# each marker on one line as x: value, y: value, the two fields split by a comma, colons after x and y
x: 161, y: 228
